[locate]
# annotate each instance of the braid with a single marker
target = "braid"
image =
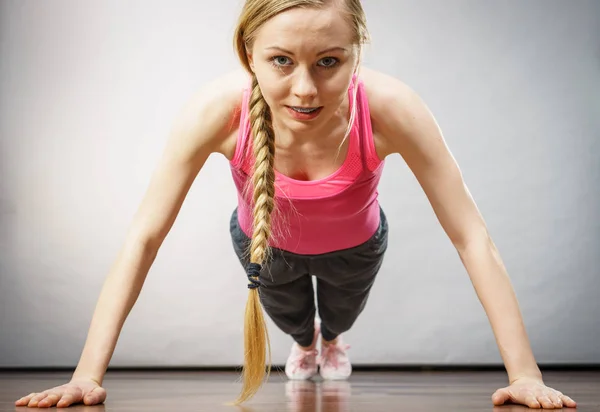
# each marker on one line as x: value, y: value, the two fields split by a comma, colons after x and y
x: 256, y: 338
x: 263, y: 176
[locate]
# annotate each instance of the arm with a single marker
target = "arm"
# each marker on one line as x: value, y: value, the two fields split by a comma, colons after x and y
x: 201, y: 129
x: 408, y: 128
x: 404, y: 125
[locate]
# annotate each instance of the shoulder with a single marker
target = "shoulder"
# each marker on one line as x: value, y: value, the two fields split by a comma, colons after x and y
x: 394, y: 106
x: 212, y: 112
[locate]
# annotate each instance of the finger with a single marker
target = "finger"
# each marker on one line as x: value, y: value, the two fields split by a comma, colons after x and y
x: 67, y: 400
x: 49, y: 400
x: 96, y: 396
x: 545, y: 402
x: 568, y: 402
x: 555, y: 399
x: 532, y: 402
x: 500, y: 397
x: 25, y: 399
x: 36, y: 399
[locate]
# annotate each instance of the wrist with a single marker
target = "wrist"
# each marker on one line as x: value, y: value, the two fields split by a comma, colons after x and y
x: 80, y: 375
x: 521, y: 367
x: 533, y: 376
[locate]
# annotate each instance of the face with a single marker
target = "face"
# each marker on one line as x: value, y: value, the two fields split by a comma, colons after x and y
x: 303, y: 60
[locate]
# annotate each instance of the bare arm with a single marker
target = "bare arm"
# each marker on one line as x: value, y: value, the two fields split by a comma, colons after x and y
x: 410, y: 129
x: 201, y: 129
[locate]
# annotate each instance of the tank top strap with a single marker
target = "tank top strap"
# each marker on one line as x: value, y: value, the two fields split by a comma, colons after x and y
x: 368, y: 154
x: 242, y: 156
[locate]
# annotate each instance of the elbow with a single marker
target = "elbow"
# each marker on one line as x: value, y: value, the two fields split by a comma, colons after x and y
x: 146, y: 243
x: 475, y: 240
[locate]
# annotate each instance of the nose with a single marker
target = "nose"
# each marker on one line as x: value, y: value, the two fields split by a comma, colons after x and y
x: 304, y: 86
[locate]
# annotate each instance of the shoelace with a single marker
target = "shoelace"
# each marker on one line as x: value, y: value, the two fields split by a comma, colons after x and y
x: 330, y: 353
x: 301, y: 358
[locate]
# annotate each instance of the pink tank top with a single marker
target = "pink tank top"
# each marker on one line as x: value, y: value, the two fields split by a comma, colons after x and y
x: 313, y: 217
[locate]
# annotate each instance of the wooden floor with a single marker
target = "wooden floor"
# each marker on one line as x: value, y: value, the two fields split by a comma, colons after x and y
x: 364, y: 392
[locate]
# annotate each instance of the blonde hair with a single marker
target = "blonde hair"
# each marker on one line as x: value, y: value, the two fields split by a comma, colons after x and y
x: 253, y: 15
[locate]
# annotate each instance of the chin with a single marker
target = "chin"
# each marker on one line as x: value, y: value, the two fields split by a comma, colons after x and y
x: 300, y: 126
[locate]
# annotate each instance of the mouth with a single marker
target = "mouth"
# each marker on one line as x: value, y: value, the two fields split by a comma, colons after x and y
x: 304, y: 113
x: 305, y: 110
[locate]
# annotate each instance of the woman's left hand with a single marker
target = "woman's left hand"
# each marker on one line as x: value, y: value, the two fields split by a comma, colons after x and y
x: 533, y: 393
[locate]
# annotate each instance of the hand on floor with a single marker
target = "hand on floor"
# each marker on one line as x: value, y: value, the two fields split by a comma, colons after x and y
x: 86, y: 391
x: 532, y: 393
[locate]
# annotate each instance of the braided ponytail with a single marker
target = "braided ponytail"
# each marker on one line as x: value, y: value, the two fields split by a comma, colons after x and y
x: 256, y: 338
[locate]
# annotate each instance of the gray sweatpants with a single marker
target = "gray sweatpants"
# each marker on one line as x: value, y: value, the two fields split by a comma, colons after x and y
x: 344, y: 279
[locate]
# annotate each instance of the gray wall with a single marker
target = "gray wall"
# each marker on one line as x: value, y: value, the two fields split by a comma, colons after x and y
x: 89, y: 91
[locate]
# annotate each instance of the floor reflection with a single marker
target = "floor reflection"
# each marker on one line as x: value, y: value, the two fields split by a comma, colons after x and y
x: 307, y: 396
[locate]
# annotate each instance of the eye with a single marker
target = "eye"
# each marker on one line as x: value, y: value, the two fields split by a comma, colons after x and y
x: 329, y: 62
x: 279, y: 61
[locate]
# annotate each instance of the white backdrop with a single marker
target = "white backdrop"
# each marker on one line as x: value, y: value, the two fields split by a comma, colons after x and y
x: 88, y: 93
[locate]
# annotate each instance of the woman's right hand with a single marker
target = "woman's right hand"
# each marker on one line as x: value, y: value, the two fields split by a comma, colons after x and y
x: 86, y: 391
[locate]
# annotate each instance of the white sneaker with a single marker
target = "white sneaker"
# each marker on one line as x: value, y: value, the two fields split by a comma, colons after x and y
x: 334, y: 362
x: 302, y: 364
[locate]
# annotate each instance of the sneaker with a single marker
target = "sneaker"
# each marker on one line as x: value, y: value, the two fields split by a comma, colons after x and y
x: 302, y: 364
x: 334, y: 361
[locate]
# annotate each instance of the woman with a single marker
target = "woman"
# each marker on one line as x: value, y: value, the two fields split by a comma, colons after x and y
x: 306, y: 133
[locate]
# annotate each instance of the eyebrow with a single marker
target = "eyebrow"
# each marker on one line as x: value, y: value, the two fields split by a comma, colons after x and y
x: 321, y: 52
